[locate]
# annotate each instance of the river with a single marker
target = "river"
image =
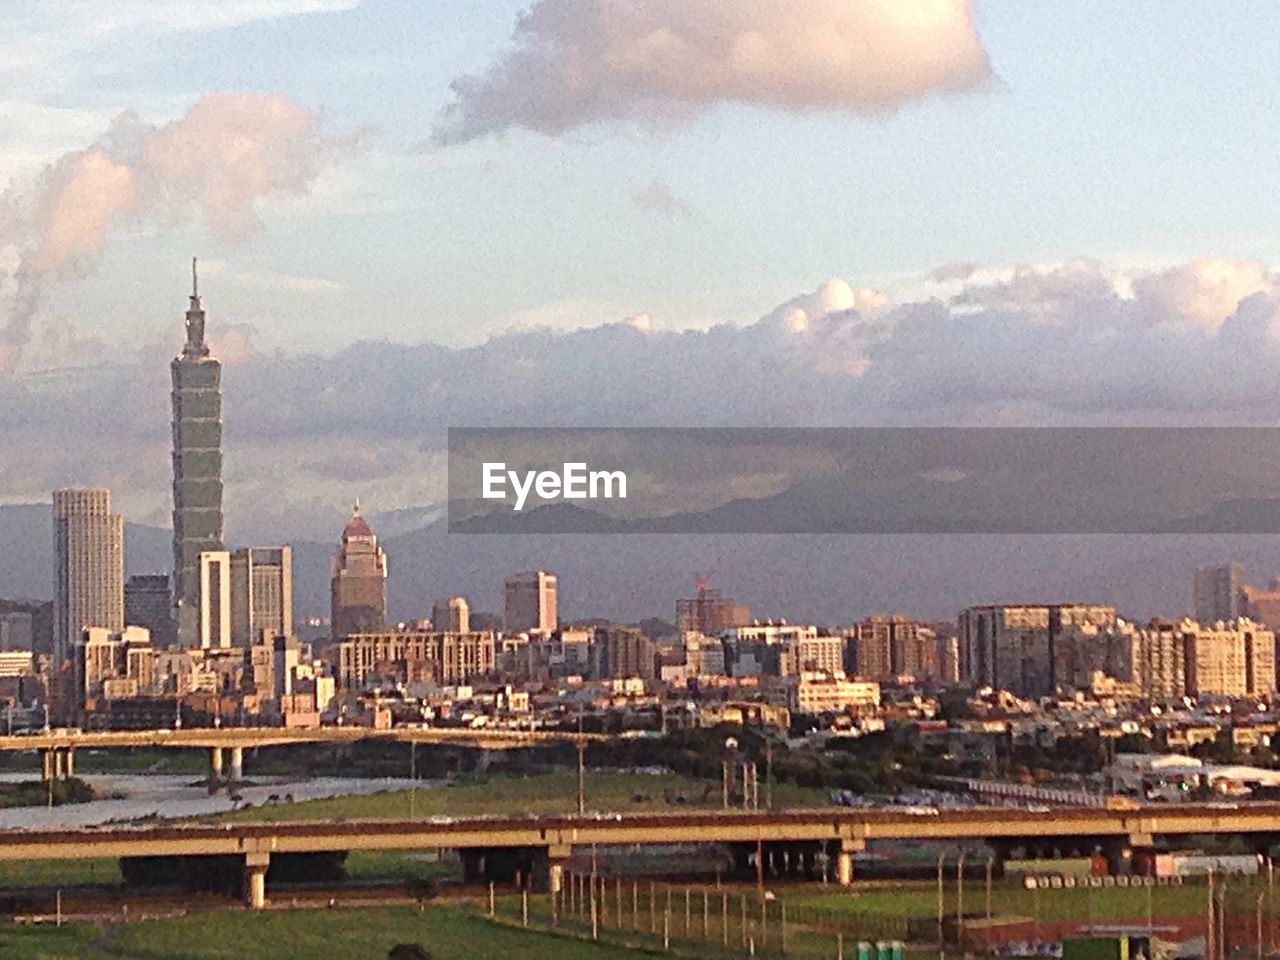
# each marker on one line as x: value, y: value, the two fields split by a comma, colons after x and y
x: 133, y: 796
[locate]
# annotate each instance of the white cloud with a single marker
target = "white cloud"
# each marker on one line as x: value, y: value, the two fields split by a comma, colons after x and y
x: 1053, y: 345
x: 215, y: 165
x: 1206, y: 291
x: 577, y: 62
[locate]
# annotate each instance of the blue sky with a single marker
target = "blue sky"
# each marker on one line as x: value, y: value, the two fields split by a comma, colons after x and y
x: 1136, y: 132
x: 1105, y: 170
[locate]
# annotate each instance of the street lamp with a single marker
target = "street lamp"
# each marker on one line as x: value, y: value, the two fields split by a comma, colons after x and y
x: 960, y: 895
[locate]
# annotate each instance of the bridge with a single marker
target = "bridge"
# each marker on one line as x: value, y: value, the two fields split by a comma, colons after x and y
x: 540, y: 846
x: 57, y: 747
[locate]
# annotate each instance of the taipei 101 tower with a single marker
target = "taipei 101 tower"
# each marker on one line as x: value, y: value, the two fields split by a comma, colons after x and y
x: 197, y: 466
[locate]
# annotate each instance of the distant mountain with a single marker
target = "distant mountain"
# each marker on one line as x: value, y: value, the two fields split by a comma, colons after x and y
x: 26, y: 558
x: 817, y: 577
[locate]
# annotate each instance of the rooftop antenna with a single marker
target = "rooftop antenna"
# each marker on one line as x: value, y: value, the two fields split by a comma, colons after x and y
x: 195, y: 283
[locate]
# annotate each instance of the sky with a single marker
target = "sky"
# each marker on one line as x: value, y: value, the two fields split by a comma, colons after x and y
x: 574, y: 212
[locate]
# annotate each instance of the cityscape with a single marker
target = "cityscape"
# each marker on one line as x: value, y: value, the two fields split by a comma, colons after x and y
x: 932, y: 612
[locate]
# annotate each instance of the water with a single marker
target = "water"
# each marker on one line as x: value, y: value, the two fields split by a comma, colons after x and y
x: 169, y: 795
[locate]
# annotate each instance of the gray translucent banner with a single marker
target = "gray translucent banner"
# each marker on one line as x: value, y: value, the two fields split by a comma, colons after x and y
x: 864, y: 480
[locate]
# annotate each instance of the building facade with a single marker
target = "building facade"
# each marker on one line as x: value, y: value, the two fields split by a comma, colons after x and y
x: 446, y: 658
x: 148, y: 602
x: 88, y: 552
x: 1031, y: 650
x: 213, y: 620
x: 530, y: 603
x: 261, y: 594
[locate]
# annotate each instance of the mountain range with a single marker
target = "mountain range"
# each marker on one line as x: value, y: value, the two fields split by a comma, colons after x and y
x: 819, y: 578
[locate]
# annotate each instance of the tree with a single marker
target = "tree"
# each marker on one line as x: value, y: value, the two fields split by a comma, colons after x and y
x: 421, y: 889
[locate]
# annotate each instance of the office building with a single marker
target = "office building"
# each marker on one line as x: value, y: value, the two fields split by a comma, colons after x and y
x: 88, y: 551
x: 819, y: 693
x: 261, y: 594
x: 812, y: 655
x: 529, y: 603
x: 1231, y: 660
x: 1032, y: 650
x: 213, y: 621
x: 197, y: 466
x: 1218, y: 593
x: 451, y: 615
x: 148, y: 602
x: 443, y: 658
x: 628, y: 652
x: 358, y: 589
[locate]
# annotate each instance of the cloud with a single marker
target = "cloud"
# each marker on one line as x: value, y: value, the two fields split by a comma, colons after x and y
x: 657, y: 198
x: 1206, y: 291
x: 215, y: 165
x: 578, y: 62
x: 1073, y: 343
x: 953, y: 270
x: 42, y: 34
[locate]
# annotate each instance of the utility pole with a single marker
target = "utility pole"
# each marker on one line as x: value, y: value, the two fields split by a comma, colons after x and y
x: 768, y: 774
x: 582, y: 776
x: 413, y: 776
x: 941, y: 859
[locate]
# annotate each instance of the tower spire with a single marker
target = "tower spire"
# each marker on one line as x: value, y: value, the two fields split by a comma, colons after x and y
x: 195, y: 347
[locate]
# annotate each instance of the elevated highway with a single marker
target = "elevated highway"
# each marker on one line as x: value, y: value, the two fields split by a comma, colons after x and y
x: 57, y: 747
x: 543, y: 844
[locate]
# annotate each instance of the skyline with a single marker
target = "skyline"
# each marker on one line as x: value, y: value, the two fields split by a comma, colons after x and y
x: 986, y: 279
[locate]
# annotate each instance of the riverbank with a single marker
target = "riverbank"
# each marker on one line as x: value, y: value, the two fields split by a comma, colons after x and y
x: 38, y: 793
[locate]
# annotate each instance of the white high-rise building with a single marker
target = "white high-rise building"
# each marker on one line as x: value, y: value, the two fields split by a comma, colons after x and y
x: 88, y: 551
x: 213, y: 624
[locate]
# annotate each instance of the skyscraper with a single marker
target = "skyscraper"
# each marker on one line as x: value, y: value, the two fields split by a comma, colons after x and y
x: 88, y: 551
x: 1218, y: 593
x: 529, y: 603
x: 261, y: 594
x: 358, y: 590
x: 197, y: 466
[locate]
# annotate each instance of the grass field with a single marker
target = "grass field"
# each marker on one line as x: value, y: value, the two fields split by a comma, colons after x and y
x: 539, y: 794
x: 920, y: 899
x: 300, y: 935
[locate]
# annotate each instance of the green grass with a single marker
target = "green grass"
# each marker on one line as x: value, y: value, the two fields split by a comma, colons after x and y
x: 54, y: 873
x: 538, y: 794
x: 301, y: 935
x: 920, y: 899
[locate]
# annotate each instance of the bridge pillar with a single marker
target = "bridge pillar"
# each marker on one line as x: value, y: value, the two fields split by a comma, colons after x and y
x: 215, y: 769
x: 255, y: 879
x: 844, y: 860
x: 237, y: 766
x: 557, y: 861
x: 70, y: 765
x: 46, y: 765
x: 59, y: 761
